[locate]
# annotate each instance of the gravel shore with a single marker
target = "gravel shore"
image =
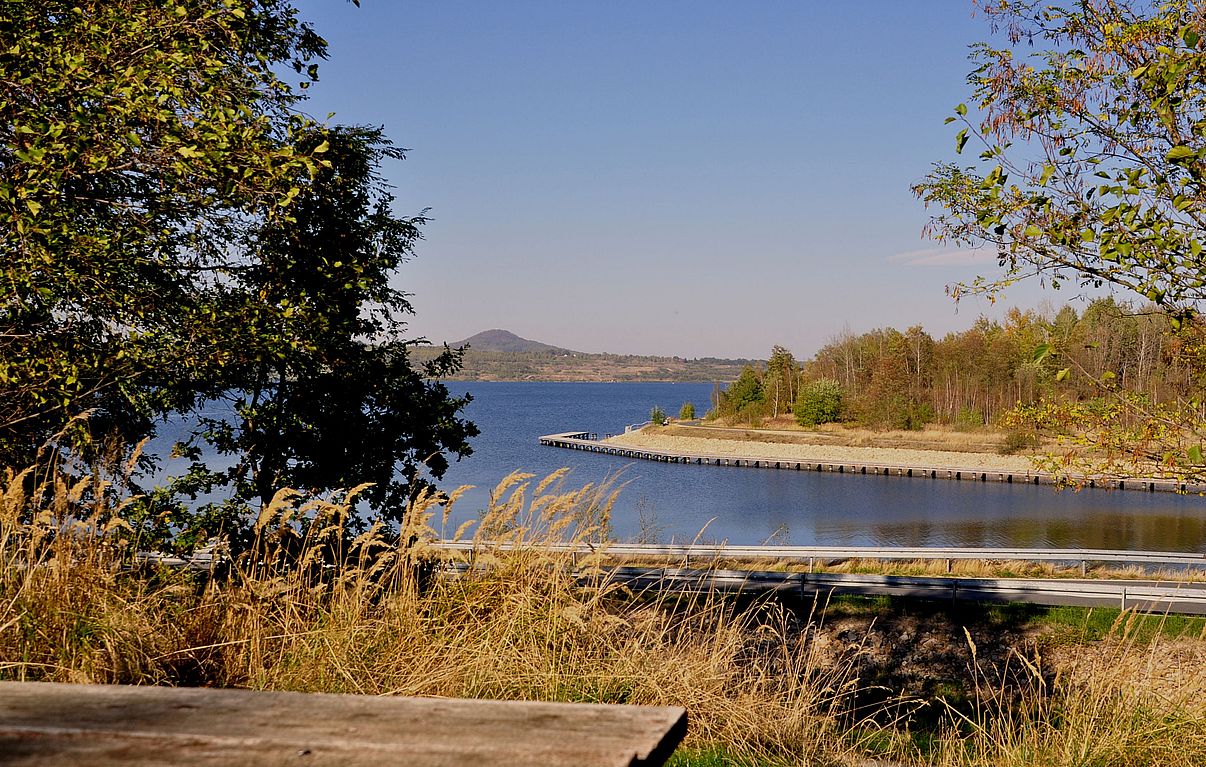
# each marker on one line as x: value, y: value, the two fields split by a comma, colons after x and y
x: 935, y: 459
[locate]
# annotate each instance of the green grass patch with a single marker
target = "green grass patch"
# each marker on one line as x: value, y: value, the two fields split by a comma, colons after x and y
x: 1091, y: 624
x: 717, y: 756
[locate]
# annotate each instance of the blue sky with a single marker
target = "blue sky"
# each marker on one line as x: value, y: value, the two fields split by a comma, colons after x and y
x: 677, y: 178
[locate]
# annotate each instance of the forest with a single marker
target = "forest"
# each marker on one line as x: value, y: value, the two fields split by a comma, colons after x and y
x: 892, y: 379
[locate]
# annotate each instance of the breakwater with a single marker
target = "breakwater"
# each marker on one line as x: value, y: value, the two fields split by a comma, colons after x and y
x: 588, y: 441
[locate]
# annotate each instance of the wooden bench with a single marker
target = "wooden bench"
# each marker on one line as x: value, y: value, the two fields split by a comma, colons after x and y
x: 101, y: 725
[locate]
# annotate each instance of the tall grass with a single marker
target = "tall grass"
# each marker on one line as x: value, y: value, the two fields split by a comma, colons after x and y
x: 312, y: 607
x: 1115, y: 706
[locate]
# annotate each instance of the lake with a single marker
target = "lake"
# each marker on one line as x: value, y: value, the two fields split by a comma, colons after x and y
x: 749, y: 506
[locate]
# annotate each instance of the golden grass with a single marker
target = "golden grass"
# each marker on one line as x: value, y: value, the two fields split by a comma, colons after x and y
x: 1111, y: 707
x: 785, y: 430
x: 936, y: 568
x: 312, y: 608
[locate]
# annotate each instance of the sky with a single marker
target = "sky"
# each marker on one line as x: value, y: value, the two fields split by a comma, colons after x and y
x: 673, y: 178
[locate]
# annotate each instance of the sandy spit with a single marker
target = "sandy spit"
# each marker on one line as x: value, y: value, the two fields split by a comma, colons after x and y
x: 891, y: 456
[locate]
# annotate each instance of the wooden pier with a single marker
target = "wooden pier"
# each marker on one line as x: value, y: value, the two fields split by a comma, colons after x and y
x: 580, y: 440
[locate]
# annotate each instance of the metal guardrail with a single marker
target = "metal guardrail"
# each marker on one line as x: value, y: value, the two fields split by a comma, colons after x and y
x: 1143, y: 596
x: 202, y: 559
x: 812, y: 554
x: 1138, y: 595
x: 1150, y: 596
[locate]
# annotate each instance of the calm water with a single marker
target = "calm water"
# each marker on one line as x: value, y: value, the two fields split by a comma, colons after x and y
x: 749, y: 506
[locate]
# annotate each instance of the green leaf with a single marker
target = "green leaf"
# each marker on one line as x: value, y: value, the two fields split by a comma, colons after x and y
x: 1191, y: 37
x: 1063, y: 374
x: 1041, y: 352
x: 1032, y: 232
x: 1179, y: 153
x: 961, y: 110
x: 1195, y: 455
x: 960, y: 141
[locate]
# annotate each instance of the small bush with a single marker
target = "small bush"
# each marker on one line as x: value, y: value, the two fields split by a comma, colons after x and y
x: 1018, y: 441
x: 657, y: 415
x: 968, y: 419
x: 687, y: 412
x: 819, y: 402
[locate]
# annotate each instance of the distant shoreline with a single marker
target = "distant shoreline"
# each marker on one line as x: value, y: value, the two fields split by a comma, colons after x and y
x: 475, y: 379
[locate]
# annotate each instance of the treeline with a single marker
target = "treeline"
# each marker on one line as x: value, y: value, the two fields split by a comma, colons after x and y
x: 488, y: 365
x: 891, y: 379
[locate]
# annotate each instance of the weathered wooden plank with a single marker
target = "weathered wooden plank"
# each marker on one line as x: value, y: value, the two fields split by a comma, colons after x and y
x: 101, y: 725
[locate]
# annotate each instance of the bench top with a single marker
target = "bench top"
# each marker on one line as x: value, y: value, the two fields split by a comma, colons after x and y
x: 101, y: 725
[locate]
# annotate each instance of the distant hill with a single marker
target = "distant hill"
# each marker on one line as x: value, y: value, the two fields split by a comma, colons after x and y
x: 505, y: 341
x: 500, y: 355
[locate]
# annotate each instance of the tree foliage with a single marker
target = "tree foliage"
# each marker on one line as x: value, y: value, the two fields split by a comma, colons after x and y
x: 781, y: 381
x: 657, y: 416
x: 320, y: 383
x: 176, y: 231
x: 1091, y: 147
x: 819, y: 402
x: 135, y: 138
x: 744, y: 398
x: 1092, y: 151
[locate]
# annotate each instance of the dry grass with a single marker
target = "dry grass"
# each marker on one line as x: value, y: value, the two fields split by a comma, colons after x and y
x: 785, y: 430
x: 310, y: 608
x: 1115, y: 706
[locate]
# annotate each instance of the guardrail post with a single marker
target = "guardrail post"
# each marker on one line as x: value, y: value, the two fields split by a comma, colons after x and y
x: 948, y: 567
x: 1124, y: 598
x: 810, y: 561
x: 1084, y: 568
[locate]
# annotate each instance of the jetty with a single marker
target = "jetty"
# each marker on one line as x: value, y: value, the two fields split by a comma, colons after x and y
x: 589, y: 441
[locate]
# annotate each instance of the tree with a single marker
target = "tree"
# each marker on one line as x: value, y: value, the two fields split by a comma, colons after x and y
x: 780, y: 381
x: 1092, y: 158
x: 177, y: 232
x: 687, y: 411
x: 744, y: 397
x: 819, y: 402
x: 1094, y: 150
x: 136, y: 139
x: 320, y: 380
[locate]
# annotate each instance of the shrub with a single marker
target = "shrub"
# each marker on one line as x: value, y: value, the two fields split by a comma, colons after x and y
x: 819, y: 402
x: 895, y: 411
x: 1018, y: 441
x: 687, y: 412
x: 657, y: 415
x: 968, y: 419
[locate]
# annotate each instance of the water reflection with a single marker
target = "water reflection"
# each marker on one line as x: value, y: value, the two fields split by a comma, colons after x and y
x: 1151, y: 532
